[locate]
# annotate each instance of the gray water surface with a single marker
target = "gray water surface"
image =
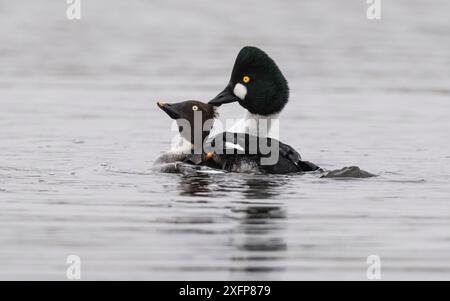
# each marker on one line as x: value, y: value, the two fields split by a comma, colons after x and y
x: 80, y: 129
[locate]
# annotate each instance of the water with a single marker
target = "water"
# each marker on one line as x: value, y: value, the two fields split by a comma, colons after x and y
x: 79, y: 131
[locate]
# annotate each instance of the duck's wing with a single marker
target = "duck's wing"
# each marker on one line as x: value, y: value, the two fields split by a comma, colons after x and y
x: 246, y: 144
x: 238, y: 143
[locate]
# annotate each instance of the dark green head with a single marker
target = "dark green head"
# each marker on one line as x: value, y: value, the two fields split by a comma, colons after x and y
x: 256, y: 83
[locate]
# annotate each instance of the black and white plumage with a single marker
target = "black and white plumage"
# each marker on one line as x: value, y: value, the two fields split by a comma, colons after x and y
x: 235, y: 152
x: 244, y: 152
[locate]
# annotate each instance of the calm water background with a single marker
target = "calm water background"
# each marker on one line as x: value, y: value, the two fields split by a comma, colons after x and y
x: 79, y: 131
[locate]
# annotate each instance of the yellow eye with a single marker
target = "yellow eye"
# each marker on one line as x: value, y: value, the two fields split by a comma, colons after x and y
x: 246, y: 79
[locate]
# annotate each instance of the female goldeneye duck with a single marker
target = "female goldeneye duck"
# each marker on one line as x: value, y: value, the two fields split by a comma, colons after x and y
x: 185, y: 115
x: 185, y: 112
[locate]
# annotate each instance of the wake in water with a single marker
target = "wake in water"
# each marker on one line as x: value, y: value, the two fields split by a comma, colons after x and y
x: 186, y: 168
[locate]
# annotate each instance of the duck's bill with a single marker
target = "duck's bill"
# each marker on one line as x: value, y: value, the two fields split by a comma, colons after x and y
x: 226, y: 96
x: 171, y: 109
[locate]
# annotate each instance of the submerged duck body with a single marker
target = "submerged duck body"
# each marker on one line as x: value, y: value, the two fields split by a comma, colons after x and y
x: 252, y: 164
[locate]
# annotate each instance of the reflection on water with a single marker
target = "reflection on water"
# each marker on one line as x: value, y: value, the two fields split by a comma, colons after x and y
x: 196, y: 185
x: 259, y: 228
x: 260, y: 188
x: 249, y: 186
x: 259, y: 223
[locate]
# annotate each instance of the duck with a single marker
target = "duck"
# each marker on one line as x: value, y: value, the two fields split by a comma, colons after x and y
x: 259, y: 86
x: 195, y: 119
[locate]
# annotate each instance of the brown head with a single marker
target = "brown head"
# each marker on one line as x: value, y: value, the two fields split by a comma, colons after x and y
x: 192, y: 117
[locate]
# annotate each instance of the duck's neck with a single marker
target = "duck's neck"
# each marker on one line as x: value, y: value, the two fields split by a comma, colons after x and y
x: 258, y: 125
x: 182, y: 145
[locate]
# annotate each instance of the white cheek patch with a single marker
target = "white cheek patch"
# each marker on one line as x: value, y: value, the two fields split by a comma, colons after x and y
x: 240, y: 91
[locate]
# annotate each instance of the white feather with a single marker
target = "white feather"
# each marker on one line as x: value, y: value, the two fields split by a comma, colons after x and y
x: 249, y: 124
x: 232, y: 145
x: 240, y: 91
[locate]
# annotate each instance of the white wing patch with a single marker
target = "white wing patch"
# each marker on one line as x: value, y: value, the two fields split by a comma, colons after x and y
x: 235, y: 146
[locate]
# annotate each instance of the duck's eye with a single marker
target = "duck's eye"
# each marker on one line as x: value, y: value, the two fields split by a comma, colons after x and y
x: 246, y: 79
x: 194, y: 108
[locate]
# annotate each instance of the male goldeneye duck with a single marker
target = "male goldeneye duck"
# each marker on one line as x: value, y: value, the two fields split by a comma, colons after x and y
x: 200, y: 150
x: 259, y: 86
